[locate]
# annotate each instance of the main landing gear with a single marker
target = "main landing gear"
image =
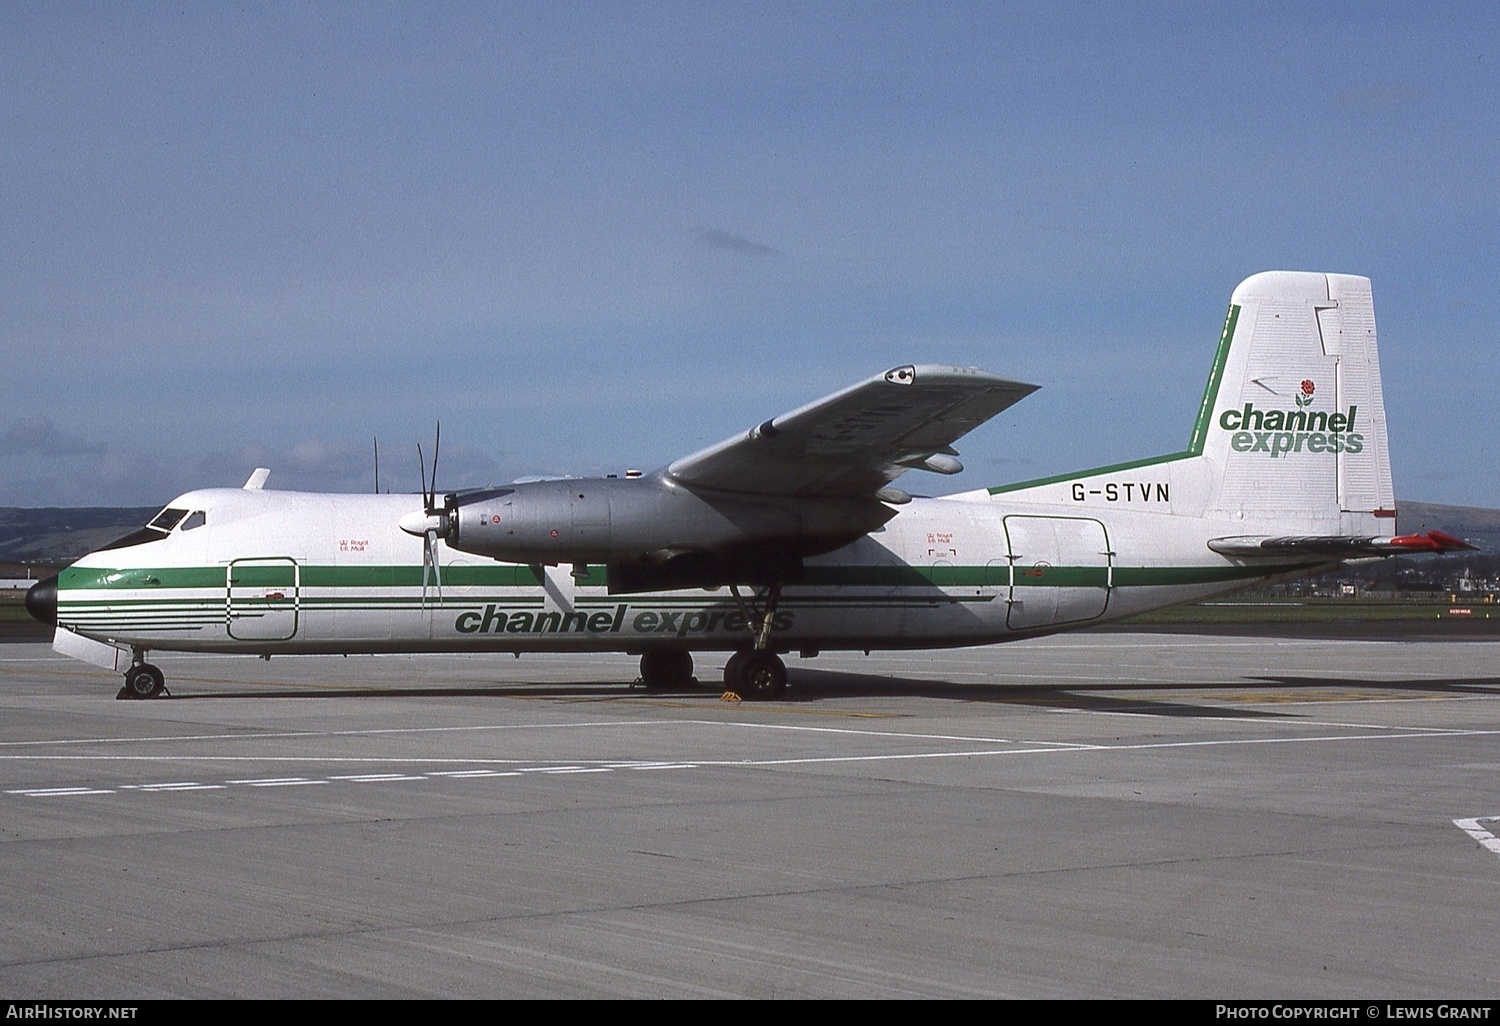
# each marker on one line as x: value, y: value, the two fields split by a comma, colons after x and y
x: 757, y: 673
x: 143, y: 680
x: 750, y: 674
x: 667, y: 670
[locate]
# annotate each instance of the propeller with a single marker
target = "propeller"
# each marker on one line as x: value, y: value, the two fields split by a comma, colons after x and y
x: 432, y: 522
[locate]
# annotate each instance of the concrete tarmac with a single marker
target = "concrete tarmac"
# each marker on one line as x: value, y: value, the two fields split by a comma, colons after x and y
x: 1092, y: 815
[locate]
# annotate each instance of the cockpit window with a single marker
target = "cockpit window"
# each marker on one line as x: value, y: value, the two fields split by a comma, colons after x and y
x: 167, y: 519
x: 160, y: 527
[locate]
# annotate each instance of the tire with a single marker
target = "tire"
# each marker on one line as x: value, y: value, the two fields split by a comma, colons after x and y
x: 733, y: 677
x: 761, y: 675
x: 667, y: 668
x: 145, y: 681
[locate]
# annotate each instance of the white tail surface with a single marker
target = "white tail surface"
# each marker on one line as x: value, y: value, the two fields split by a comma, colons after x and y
x: 1297, y: 424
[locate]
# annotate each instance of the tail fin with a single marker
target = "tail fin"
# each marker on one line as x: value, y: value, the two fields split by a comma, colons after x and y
x: 1293, y: 418
x: 1290, y: 436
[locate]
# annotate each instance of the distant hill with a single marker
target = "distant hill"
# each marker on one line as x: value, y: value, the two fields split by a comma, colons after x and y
x: 56, y: 535
x: 1474, y: 524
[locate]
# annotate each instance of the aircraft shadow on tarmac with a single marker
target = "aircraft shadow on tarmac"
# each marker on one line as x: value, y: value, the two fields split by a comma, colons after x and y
x: 812, y: 685
x: 1451, y: 686
x: 809, y: 685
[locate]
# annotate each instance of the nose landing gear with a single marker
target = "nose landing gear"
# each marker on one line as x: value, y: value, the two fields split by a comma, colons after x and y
x: 143, y: 680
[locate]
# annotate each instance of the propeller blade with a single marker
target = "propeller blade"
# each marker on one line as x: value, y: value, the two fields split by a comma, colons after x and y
x: 430, y: 562
x: 426, y: 562
x: 422, y: 470
x: 437, y: 443
x: 430, y: 531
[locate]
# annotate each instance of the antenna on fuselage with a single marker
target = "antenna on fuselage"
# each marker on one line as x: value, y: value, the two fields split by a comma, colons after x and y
x: 377, y: 464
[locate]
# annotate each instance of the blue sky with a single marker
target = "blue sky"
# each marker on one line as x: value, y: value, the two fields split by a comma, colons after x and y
x: 597, y: 236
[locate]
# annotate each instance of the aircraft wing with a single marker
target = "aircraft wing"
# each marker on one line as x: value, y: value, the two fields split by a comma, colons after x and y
x: 855, y: 442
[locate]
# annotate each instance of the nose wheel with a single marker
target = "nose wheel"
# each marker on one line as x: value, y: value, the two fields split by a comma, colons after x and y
x: 143, y: 680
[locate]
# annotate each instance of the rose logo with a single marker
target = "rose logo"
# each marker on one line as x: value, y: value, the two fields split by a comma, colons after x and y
x: 1305, y: 397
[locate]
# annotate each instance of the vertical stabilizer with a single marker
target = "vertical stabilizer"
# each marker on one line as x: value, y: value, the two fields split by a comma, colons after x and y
x: 1297, y: 423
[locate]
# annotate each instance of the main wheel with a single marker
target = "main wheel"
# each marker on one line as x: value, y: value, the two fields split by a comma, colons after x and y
x: 733, y: 672
x: 756, y: 675
x: 144, y: 681
x: 667, y: 668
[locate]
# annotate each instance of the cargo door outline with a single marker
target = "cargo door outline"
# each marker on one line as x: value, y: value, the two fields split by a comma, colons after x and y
x: 1061, y: 570
x: 264, y: 599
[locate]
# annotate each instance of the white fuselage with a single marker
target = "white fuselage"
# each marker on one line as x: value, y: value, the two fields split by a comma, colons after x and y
x: 1286, y: 470
x: 288, y: 572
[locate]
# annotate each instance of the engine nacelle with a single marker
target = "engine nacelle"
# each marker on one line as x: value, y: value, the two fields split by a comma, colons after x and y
x: 648, y: 520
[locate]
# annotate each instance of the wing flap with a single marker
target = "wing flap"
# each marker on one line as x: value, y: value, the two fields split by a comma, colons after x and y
x: 856, y: 441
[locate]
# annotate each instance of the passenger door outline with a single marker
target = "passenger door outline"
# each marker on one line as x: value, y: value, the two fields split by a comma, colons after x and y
x: 264, y: 598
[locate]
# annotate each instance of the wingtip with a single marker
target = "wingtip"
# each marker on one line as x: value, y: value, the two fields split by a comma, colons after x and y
x: 939, y: 373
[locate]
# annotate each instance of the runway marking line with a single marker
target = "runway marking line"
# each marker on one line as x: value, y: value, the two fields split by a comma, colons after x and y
x: 475, y: 768
x: 348, y: 778
x: 465, y: 774
x: 366, y: 732
x: 277, y: 781
x: 1485, y: 838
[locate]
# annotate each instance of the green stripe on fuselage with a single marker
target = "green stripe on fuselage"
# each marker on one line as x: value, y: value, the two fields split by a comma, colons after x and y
x: 505, y: 576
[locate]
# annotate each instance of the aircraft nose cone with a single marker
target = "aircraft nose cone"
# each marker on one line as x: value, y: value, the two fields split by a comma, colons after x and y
x: 41, y: 601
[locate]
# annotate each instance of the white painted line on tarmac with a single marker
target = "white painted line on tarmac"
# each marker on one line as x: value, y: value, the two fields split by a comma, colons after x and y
x: 465, y: 774
x: 370, y: 732
x: 961, y: 738
x: 576, y: 769
x: 481, y: 768
x: 1143, y: 746
x: 1472, y: 827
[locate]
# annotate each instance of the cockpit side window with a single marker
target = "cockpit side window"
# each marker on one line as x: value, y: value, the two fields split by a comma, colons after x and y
x: 167, y: 519
x: 197, y: 518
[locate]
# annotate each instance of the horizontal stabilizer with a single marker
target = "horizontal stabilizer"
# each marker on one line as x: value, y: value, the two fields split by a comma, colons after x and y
x: 1337, y: 547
